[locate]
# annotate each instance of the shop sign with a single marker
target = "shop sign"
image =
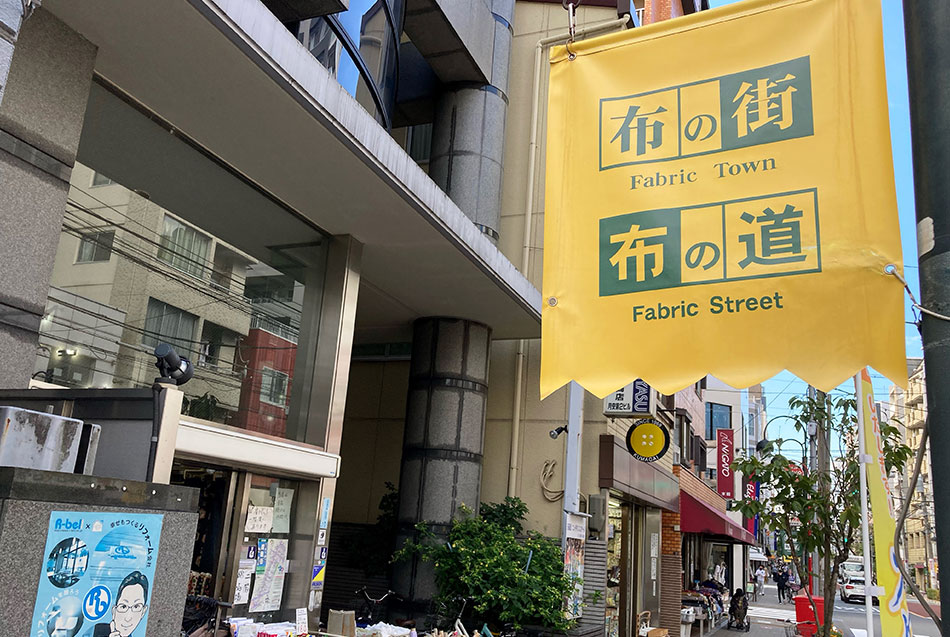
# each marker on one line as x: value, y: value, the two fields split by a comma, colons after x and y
x: 317, y: 577
x: 730, y: 216
x: 635, y: 399
x: 96, y: 574
x: 725, y: 449
x: 325, y: 513
x: 647, y: 440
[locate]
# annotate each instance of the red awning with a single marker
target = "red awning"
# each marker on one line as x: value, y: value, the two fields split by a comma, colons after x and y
x: 698, y: 517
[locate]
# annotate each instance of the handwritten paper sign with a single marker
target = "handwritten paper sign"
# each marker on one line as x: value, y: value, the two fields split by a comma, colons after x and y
x: 282, y: 510
x: 303, y: 627
x: 242, y: 590
x: 259, y: 519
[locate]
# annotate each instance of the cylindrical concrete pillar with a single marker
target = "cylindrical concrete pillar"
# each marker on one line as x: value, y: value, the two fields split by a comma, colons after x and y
x: 468, y: 135
x: 444, y: 439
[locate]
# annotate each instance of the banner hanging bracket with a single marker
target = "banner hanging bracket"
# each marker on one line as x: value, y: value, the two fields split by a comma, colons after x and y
x: 571, y: 6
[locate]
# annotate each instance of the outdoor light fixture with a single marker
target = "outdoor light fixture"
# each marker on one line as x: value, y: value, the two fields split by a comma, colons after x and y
x: 554, y: 433
x: 67, y: 352
x: 172, y: 367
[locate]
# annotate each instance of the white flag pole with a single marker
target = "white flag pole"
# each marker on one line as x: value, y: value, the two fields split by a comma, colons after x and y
x: 863, y: 460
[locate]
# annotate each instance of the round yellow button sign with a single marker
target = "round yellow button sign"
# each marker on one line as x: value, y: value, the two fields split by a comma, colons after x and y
x: 647, y: 440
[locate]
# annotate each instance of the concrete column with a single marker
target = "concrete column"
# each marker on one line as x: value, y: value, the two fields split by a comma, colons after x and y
x: 444, y: 439
x: 468, y: 135
x: 41, y: 115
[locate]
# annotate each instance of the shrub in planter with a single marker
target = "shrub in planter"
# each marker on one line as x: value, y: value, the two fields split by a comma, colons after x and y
x: 933, y: 593
x: 510, y: 576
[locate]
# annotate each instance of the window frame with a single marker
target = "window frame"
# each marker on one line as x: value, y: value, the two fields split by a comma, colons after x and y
x: 274, y: 373
x: 151, y: 338
x: 182, y: 259
x: 710, y: 413
x: 93, y: 237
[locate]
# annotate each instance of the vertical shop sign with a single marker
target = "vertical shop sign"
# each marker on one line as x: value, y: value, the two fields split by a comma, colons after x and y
x: 96, y: 574
x: 751, y: 493
x: 725, y: 449
x: 575, y: 533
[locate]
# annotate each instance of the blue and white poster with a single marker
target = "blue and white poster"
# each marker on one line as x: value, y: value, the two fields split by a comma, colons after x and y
x: 97, y: 575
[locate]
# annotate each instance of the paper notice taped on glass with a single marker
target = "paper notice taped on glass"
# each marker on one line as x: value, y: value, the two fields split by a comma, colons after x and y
x: 282, y: 503
x: 259, y: 519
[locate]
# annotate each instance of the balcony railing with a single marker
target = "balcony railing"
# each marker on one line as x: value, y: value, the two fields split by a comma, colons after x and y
x: 284, y: 331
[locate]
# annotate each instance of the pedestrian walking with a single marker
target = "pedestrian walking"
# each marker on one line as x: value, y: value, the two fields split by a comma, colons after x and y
x: 760, y: 581
x: 781, y: 581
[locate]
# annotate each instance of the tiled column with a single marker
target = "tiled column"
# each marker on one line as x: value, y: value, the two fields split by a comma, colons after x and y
x: 468, y: 136
x: 442, y: 448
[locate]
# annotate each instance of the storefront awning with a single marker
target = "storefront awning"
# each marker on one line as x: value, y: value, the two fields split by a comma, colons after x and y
x: 698, y: 517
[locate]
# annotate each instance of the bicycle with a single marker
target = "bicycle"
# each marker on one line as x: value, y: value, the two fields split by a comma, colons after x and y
x: 369, y: 608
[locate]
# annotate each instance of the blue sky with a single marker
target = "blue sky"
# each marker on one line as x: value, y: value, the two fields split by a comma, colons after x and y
x: 785, y: 385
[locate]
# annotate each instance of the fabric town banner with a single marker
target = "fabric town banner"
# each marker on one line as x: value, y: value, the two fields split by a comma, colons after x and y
x: 895, y: 618
x: 720, y: 199
x: 725, y: 450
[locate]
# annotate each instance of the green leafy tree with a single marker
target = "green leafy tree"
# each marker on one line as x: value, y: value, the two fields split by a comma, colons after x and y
x: 817, y: 511
x: 509, y: 575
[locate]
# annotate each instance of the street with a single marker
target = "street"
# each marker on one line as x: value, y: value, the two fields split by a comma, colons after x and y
x: 770, y: 619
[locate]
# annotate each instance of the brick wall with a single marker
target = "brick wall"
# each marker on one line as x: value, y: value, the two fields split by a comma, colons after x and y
x: 671, y: 573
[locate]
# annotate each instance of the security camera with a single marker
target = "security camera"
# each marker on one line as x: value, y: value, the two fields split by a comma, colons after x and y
x: 554, y: 433
x: 171, y: 366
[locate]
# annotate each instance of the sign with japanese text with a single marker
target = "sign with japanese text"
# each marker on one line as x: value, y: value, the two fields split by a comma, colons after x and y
x: 895, y: 618
x: 97, y: 574
x: 725, y: 451
x: 635, y: 399
x: 575, y: 536
x: 722, y: 214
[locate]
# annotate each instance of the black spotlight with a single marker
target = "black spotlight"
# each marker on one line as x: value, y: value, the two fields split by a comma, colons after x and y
x: 171, y: 366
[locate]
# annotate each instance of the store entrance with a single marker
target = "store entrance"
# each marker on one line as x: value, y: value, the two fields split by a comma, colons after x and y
x: 216, y: 495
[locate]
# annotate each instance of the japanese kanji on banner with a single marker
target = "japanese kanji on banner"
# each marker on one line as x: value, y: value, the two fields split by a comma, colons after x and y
x: 720, y: 199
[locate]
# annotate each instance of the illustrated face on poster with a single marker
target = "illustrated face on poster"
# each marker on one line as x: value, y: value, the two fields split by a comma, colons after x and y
x: 97, y: 576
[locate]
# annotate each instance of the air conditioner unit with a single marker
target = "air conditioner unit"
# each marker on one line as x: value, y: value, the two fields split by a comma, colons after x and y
x: 676, y: 456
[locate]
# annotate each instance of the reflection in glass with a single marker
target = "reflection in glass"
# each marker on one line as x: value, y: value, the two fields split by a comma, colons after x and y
x: 232, y: 305
x: 368, y: 27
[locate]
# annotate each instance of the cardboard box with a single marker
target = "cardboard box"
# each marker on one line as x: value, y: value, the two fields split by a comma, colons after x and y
x: 658, y: 632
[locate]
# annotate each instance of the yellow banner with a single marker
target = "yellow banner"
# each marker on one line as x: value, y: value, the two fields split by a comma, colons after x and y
x: 720, y: 199
x: 895, y: 618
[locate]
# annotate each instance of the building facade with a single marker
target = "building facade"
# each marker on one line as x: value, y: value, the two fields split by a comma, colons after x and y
x: 334, y: 210
x: 908, y: 409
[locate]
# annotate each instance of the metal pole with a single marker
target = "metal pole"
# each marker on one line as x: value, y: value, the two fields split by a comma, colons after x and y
x: 863, y: 489
x: 812, y: 438
x: 572, y: 461
x: 928, y: 56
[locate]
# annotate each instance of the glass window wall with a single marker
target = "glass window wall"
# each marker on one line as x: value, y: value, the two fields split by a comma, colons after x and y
x: 214, y: 267
x: 360, y: 48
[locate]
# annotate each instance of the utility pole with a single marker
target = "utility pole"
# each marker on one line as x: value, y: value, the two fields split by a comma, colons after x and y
x: 928, y: 56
